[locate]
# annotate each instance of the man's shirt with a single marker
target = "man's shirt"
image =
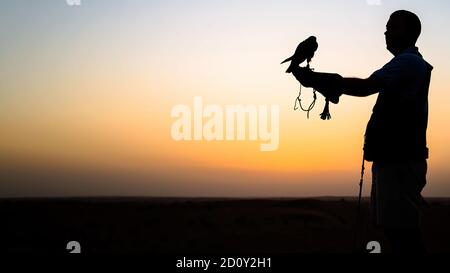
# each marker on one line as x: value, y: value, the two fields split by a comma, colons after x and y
x: 404, y: 74
x: 397, y: 127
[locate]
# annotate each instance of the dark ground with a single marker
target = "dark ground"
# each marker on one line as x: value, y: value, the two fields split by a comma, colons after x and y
x: 197, y: 225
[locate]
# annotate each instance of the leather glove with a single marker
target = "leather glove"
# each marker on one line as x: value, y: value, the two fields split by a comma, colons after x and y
x: 328, y: 84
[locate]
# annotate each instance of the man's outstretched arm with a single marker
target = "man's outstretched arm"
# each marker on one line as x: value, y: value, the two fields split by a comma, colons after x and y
x: 361, y: 87
x: 333, y: 85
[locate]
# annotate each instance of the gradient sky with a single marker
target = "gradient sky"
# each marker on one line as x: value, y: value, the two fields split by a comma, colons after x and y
x: 86, y: 94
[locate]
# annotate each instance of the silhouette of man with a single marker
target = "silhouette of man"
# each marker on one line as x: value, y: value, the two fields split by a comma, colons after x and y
x: 395, y: 137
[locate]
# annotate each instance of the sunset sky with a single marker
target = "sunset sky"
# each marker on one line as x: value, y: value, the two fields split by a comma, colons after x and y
x: 86, y: 94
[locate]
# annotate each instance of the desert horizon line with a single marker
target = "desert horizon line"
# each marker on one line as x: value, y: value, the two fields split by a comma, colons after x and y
x: 124, y: 197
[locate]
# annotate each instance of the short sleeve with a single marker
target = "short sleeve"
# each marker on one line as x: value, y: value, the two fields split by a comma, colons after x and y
x: 402, y: 71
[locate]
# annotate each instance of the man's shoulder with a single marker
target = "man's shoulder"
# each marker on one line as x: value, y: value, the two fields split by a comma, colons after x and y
x: 409, y: 59
x: 408, y: 63
x: 404, y: 71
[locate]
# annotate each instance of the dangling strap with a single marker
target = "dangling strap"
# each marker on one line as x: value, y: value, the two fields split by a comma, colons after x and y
x: 358, y: 232
x: 299, y: 100
x: 326, y: 111
x: 325, y: 115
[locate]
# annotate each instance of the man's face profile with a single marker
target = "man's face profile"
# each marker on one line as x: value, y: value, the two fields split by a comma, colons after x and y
x: 395, y: 35
x: 402, y: 31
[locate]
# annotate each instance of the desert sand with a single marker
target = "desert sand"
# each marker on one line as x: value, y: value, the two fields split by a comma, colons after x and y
x: 199, y: 225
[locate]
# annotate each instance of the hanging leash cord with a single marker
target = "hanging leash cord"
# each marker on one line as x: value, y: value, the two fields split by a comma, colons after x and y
x: 358, y: 232
x: 361, y: 181
x: 299, y: 100
x: 325, y: 115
